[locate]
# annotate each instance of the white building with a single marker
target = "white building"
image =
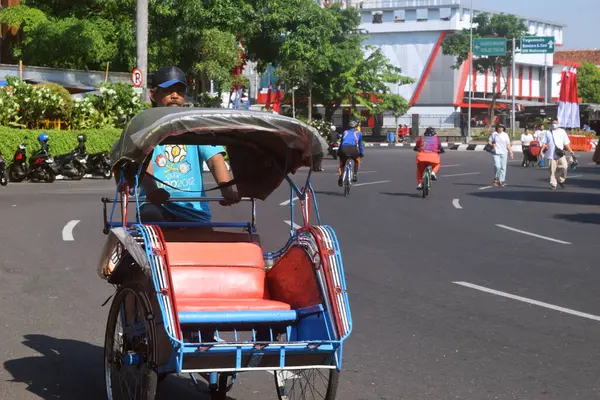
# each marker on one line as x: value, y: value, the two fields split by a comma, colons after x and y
x: 410, y: 33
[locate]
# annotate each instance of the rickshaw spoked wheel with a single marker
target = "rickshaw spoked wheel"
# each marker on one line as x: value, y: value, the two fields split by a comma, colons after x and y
x: 314, y: 383
x: 129, y: 347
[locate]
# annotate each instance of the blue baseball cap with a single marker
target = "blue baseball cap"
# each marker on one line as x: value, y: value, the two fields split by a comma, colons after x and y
x: 168, y: 76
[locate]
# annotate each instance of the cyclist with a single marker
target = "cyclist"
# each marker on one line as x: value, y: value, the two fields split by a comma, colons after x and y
x: 350, y: 146
x: 428, y: 147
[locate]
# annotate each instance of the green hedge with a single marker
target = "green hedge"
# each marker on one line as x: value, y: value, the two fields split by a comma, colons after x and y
x: 61, y: 142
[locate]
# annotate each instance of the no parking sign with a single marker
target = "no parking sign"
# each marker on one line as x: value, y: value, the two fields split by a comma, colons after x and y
x: 137, y: 78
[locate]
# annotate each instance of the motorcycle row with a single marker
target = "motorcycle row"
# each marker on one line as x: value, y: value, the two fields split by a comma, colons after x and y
x: 42, y: 166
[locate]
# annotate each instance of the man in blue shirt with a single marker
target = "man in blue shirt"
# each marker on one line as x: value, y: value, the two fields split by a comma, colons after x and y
x: 180, y: 166
x: 350, y: 146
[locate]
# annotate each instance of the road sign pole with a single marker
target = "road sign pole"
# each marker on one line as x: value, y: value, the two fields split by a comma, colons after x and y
x: 545, y: 79
x: 142, y: 42
x: 514, y: 119
x: 470, y: 73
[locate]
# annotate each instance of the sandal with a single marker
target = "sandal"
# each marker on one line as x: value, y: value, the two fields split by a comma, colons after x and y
x: 495, y: 182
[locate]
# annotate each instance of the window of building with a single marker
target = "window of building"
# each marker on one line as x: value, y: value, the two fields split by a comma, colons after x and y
x: 377, y: 17
x: 422, y: 14
x: 399, y: 16
x: 445, y: 13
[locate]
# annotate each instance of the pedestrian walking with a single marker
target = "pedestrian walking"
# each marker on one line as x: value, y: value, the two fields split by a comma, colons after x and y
x: 526, y: 139
x: 539, y: 135
x: 554, y: 144
x: 500, y: 152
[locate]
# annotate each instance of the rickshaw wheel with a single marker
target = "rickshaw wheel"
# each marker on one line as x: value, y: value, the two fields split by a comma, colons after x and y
x: 315, y: 383
x: 129, y: 347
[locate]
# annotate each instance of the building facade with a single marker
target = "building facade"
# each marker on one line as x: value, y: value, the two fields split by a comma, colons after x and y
x: 410, y: 34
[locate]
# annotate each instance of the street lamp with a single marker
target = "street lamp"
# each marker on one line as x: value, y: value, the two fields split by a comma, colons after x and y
x: 470, y: 71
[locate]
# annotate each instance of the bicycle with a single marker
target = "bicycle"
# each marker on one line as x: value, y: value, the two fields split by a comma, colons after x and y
x: 347, y: 175
x: 426, y: 181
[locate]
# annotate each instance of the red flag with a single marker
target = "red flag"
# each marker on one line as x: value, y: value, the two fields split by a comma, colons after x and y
x: 277, y: 103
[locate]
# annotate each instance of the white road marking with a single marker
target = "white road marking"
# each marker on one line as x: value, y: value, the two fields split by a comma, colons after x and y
x: 456, y: 204
x: 67, y: 232
x: 532, y: 234
x: 451, y: 165
x: 370, y: 183
x: 296, y: 226
x: 530, y: 301
x: 465, y: 174
x: 485, y: 187
x: 285, y: 203
x: 575, y: 176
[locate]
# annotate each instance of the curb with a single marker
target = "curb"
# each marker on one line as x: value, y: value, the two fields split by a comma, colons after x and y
x: 457, y: 146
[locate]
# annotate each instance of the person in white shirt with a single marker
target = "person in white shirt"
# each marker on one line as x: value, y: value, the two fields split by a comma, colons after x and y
x: 502, y: 149
x: 555, y: 141
x: 526, y: 139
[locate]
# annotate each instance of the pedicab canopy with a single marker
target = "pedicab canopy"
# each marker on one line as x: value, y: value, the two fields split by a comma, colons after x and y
x: 262, y: 147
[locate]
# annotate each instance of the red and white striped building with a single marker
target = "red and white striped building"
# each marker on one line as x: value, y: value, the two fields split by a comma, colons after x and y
x: 410, y: 33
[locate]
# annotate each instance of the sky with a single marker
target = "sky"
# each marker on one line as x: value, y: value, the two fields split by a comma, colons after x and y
x: 580, y: 16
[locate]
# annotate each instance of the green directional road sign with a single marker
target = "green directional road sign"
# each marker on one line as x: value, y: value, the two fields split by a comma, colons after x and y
x: 489, y: 47
x: 537, y: 44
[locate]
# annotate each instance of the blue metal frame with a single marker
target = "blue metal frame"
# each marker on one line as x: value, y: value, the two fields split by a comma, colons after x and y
x: 309, y: 330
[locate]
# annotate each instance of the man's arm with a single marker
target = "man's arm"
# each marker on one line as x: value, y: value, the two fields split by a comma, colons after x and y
x: 567, y: 143
x: 219, y: 171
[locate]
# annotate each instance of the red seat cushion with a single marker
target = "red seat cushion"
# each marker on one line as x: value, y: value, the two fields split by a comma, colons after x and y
x: 219, y: 277
x: 193, y: 304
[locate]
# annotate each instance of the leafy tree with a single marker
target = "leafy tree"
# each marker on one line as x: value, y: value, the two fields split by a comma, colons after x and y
x: 588, y: 79
x: 393, y: 103
x: 340, y: 71
x: 498, y: 25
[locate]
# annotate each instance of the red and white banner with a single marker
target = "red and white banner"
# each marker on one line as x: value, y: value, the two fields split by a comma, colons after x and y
x: 568, y: 101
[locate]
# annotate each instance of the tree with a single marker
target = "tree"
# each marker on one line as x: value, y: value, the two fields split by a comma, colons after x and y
x: 393, y: 103
x: 337, y: 70
x: 588, y: 78
x: 498, y: 25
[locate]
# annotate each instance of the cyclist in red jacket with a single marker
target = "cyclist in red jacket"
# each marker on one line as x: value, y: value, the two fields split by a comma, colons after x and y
x: 428, y: 148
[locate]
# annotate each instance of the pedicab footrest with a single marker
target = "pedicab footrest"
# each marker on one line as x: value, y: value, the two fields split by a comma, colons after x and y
x: 238, y: 317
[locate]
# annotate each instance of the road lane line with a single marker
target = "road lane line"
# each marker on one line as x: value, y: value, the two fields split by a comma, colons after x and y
x: 532, y: 234
x: 575, y: 176
x: 287, y: 202
x: 67, y: 232
x: 370, y: 183
x: 451, y: 165
x: 529, y: 301
x: 296, y: 226
x: 485, y: 187
x: 456, y: 204
x: 465, y: 174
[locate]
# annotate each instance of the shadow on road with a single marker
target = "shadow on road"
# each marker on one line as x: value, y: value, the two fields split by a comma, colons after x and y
x: 582, y: 218
x: 327, y: 193
x: 559, y: 196
x: 478, y: 185
x: 415, y: 195
x: 73, y: 370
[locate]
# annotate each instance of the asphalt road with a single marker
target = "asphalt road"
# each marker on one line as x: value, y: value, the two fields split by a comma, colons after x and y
x: 474, y: 293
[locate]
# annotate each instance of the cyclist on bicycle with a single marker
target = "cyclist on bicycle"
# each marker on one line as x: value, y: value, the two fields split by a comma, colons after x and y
x: 350, y: 146
x: 429, y: 147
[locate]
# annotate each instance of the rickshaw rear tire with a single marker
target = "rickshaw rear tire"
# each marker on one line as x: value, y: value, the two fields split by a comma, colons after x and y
x: 151, y: 378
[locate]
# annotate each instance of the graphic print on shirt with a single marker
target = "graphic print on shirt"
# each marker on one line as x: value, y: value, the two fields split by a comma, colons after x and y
x: 176, y: 169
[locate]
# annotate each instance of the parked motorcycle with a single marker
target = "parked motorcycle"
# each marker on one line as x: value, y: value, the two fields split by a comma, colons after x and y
x: 3, y: 172
x: 97, y: 163
x: 71, y: 165
x: 19, y: 170
x: 41, y: 164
